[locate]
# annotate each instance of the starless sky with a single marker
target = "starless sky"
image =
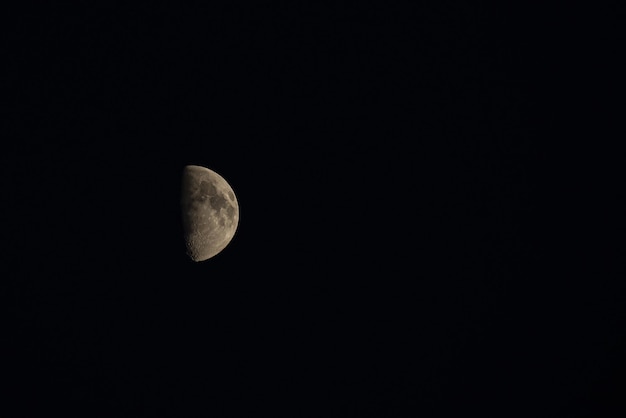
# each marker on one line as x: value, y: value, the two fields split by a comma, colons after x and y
x: 405, y: 244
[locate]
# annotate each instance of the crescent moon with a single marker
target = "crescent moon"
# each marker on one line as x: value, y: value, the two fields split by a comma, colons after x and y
x: 210, y: 212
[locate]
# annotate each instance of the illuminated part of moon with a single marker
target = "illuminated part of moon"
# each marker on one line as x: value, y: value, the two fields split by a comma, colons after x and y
x: 210, y: 212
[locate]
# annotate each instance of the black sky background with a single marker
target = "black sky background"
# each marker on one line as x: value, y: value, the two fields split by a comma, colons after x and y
x: 413, y: 241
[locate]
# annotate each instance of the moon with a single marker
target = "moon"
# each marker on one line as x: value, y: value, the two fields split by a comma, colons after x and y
x: 210, y: 212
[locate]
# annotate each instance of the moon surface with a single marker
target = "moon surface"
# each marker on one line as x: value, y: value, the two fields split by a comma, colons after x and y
x: 210, y: 212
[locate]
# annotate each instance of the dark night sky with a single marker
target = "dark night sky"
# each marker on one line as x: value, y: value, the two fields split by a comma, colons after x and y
x: 412, y: 242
